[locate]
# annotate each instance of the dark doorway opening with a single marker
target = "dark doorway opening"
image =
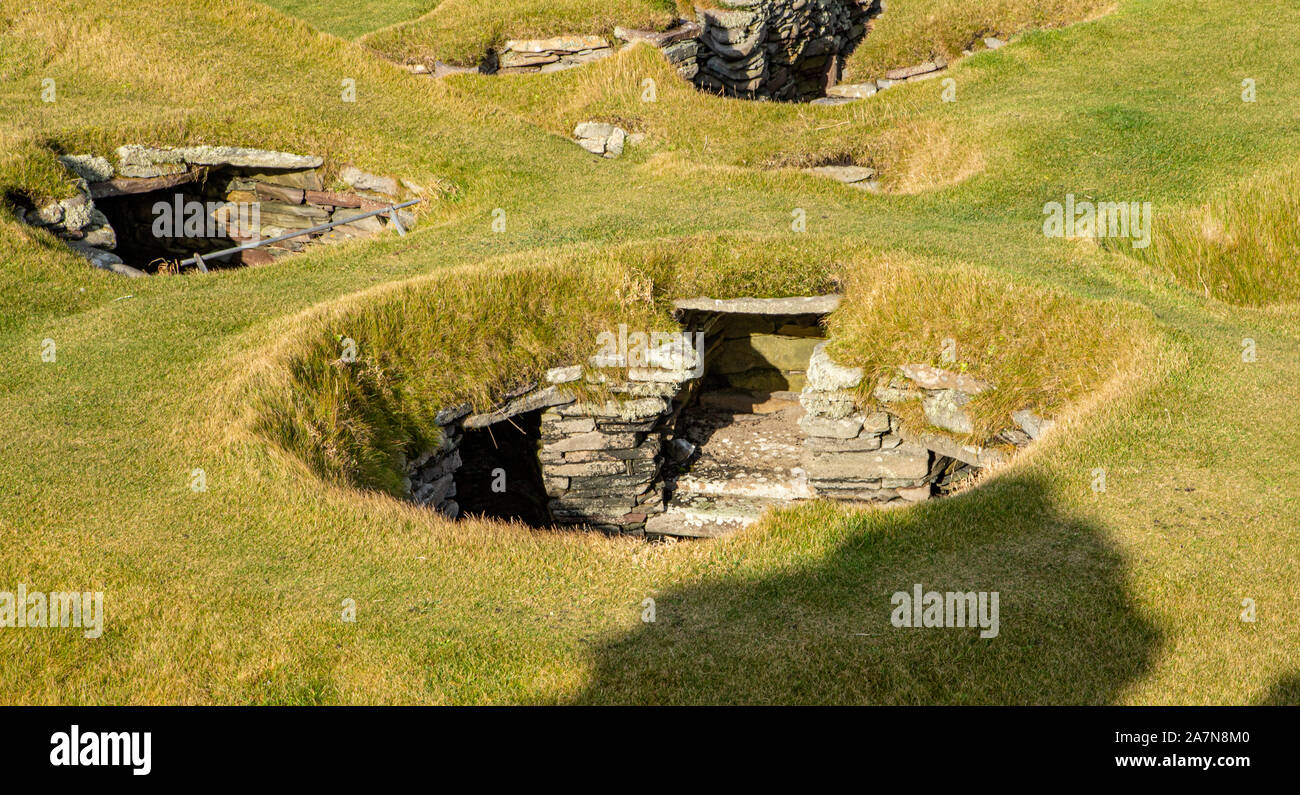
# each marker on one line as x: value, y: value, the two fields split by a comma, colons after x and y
x: 500, y: 476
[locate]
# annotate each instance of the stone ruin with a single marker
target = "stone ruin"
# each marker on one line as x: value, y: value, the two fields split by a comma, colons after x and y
x: 112, y: 219
x: 699, y: 440
x: 792, y: 50
x: 788, y: 50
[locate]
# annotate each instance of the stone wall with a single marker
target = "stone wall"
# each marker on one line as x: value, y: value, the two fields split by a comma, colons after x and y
x: 854, y: 453
x: 601, y: 461
x: 287, y: 189
x: 431, y: 476
x: 763, y: 353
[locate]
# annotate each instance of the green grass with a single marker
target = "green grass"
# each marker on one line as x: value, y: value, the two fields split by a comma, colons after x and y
x: 914, y: 31
x: 1130, y: 596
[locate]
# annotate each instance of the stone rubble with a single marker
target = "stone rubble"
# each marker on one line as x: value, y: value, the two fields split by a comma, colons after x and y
x: 601, y: 139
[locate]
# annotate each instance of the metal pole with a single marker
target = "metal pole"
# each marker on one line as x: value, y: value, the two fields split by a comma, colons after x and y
x: 226, y: 252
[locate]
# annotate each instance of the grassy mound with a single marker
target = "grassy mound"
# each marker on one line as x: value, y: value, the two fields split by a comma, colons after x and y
x: 177, y: 85
x: 437, y: 341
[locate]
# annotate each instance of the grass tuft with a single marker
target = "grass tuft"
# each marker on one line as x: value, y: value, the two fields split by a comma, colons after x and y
x: 1240, y: 247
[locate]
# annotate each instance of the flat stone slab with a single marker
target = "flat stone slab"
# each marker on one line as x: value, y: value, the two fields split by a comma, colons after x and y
x: 942, y: 445
x: 124, y: 186
x: 667, y: 38
x: 1033, y: 425
x: 540, y: 399
x: 929, y: 377
x: 88, y: 167
x: 852, y: 90
x: 849, y: 175
x: 798, y: 305
x: 557, y: 44
x: 703, y: 516
x: 919, y: 69
x: 908, y: 462
x: 241, y: 157
x: 441, y: 69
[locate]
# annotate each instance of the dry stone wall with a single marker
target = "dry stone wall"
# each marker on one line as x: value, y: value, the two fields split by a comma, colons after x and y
x: 852, y: 453
x: 431, y: 476
x: 601, y: 461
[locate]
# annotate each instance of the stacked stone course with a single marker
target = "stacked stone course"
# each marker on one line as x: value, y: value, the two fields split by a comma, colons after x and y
x: 431, y: 476
x: 853, y: 454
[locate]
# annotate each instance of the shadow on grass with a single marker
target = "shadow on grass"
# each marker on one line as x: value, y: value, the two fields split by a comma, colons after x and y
x: 820, y: 632
x: 1284, y: 693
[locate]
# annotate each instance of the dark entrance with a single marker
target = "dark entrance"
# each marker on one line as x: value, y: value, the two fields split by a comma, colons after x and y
x: 499, y: 476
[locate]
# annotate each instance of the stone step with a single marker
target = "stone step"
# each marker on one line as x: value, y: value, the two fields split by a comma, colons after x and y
x: 772, y: 486
x: 702, y: 516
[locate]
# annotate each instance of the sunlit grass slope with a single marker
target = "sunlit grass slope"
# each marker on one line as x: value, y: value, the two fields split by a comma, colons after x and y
x: 1242, y: 246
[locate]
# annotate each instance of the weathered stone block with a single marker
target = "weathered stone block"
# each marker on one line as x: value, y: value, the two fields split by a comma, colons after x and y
x: 943, y: 409
x: 825, y: 375
x: 907, y: 462
x: 928, y: 377
x: 589, y: 469
x: 843, y: 428
x: 592, y: 441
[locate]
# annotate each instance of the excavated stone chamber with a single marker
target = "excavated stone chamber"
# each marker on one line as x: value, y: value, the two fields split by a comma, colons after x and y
x: 787, y: 50
x: 698, y: 436
x: 156, y: 206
